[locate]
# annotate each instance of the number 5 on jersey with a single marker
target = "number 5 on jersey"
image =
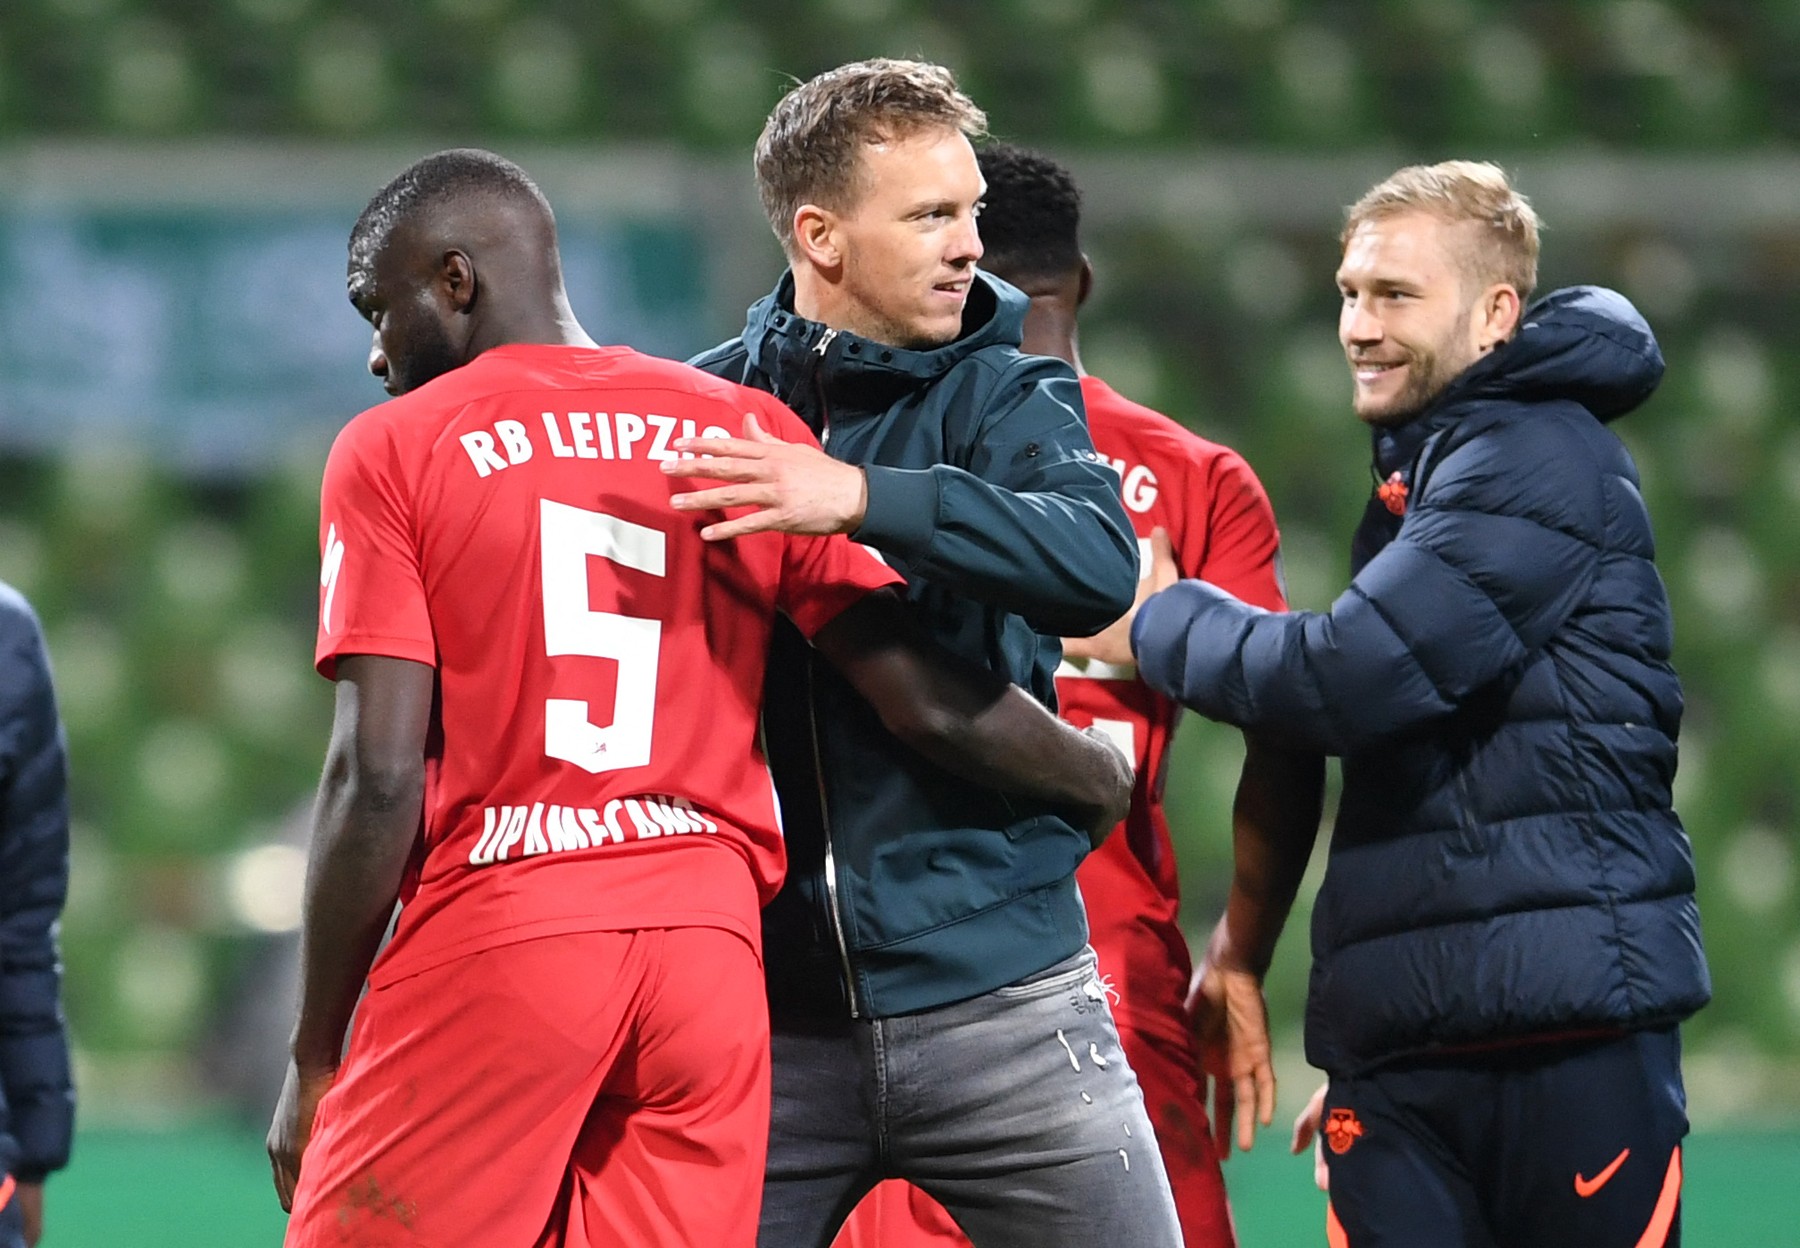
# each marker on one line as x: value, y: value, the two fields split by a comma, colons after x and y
x: 567, y: 536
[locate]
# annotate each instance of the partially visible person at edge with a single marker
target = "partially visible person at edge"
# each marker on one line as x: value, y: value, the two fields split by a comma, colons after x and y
x: 545, y: 745
x: 1198, y: 511
x: 37, y: 1095
x: 1506, y: 938
x: 929, y: 952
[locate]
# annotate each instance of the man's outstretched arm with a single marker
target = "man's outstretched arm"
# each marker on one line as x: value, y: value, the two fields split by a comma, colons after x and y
x: 1465, y: 595
x: 1033, y: 525
x: 365, y: 824
x: 972, y: 722
x: 1274, y: 822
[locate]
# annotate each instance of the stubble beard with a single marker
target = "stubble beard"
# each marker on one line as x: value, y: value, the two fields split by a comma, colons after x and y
x: 1428, y: 374
x: 915, y: 335
x: 1424, y: 383
x: 432, y: 357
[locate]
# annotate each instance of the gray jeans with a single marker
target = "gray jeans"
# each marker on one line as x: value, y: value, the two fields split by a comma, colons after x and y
x: 1016, y: 1110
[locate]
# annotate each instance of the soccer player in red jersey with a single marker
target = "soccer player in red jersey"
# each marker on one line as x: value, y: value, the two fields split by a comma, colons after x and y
x: 545, y: 747
x: 1198, y: 511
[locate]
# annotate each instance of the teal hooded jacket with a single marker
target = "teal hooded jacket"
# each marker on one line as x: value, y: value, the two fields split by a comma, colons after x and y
x: 909, y: 888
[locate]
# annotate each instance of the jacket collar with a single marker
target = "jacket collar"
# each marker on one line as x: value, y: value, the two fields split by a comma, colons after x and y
x: 788, y: 348
x: 1396, y: 447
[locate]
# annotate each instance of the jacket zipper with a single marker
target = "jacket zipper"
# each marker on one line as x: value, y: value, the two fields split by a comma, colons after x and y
x: 819, y: 349
x: 812, y: 716
x: 831, y: 882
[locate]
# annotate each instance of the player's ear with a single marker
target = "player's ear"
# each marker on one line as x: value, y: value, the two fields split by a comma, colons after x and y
x: 1497, y: 316
x: 456, y: 281
x: 816, y: 237
x: 1085, y: 283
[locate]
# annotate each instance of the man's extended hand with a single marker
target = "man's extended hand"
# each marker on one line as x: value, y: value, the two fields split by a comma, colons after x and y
x: 31, y: 1212
x: 1306, y: 1131
x: 291, y: 1130
x: 1124, y: 779
x: 1113, y: 643
x: 796, y: 488
x: 1231, y: 1025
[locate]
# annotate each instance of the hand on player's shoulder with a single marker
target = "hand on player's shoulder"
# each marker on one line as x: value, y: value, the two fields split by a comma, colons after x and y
x: 793, y: 487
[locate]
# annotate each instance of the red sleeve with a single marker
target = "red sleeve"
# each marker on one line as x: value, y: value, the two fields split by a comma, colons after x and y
x: 1240, y: 551
x: 820, y: 576
x: 371, y: 591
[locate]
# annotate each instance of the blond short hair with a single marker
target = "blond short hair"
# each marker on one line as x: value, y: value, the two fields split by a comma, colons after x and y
x: 810, y: 149
x: 1459, y: 191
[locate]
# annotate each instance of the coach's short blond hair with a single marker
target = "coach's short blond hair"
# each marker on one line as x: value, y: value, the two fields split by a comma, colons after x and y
x: 810, y: 150
x: 1475, y: 192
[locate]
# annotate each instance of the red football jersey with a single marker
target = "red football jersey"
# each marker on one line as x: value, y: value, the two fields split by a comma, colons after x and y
x: 593, y: 761
x: 1223, y: 530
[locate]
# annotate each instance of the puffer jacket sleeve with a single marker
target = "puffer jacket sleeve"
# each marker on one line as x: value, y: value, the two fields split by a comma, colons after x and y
x: 1032, y: 525
x: 34, y: 877
x: 1500, y: 547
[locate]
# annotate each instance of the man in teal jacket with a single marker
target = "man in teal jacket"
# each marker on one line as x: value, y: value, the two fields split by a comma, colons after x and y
x: 928, y: 955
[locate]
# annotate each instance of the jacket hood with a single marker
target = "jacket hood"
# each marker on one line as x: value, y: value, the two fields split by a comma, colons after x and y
x: 1583, y: 343
x: 780, y: 339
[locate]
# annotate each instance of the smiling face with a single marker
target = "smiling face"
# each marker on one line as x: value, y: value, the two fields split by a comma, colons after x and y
x: 1412, y: 318
x: 897, y: 263
x: 402, y: 299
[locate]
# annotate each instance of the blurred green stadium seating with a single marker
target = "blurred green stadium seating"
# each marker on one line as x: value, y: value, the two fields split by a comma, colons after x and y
x: 1305, y: 73
x: 179, y: 605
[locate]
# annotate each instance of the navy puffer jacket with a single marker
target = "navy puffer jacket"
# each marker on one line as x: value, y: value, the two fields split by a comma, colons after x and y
x: 37, y: 1100
x: 1507, y: 862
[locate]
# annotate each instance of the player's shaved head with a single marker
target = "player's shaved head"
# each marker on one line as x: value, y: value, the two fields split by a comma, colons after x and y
x: 455, y: 255
x: 459, y: 187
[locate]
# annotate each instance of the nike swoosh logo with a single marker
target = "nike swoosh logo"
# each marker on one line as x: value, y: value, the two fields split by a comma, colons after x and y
x: 1587, y: 1187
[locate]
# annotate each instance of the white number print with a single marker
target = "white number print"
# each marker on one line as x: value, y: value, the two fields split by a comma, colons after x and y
x: 567, y: 536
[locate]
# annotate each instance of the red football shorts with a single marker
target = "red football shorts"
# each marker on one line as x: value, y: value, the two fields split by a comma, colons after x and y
x: 588, y: 1089
x: 898, y: 1215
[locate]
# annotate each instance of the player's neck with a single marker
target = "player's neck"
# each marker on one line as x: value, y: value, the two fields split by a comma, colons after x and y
x: 1050, y: 329
x: 551, y: 325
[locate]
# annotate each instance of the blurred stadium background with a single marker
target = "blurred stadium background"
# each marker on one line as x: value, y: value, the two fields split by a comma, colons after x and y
x: 176, y: 181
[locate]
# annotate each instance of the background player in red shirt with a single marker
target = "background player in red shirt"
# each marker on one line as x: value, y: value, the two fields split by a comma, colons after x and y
x: 1198, y: 511
x: 544, y: 744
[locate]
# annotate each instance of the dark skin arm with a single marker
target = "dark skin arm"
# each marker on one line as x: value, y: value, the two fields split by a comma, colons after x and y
x: 972, y: 722
x: 31, y: 1211
x: 1274, y: 822
x: 366, y: 820
x: 365, y: 824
